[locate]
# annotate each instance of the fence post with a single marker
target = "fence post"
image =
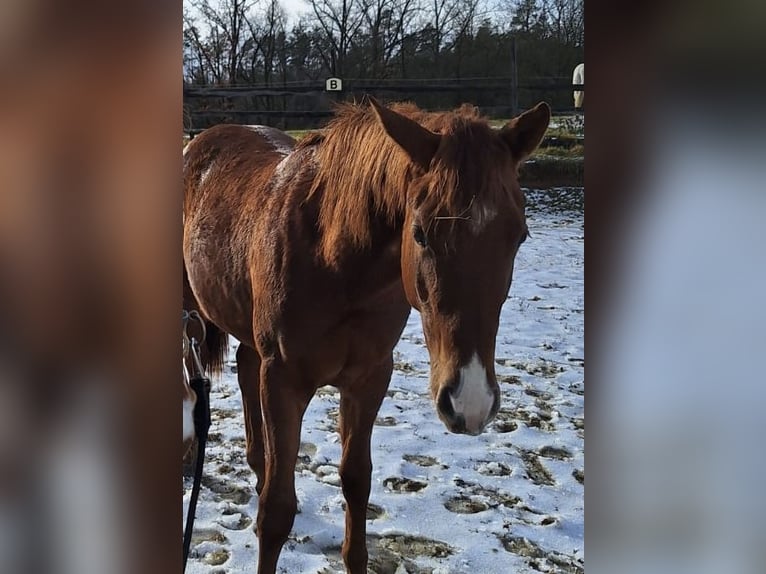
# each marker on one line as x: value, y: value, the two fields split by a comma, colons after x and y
x: 514, y: 80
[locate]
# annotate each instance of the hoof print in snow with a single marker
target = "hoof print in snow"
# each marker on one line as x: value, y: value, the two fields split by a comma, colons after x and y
x: 579, y: 476
x: 208, y: 535
x: 236, y: 521
x: 399, y: 484
x: 540, y: 420
x: 492, y: 468
x: 539, y: 559
x: 495, y: 496
x: 227, y: 491
x: 509, y: 379
x: 409, y: 546
x: 555, y: 452
x: 385, y: 422
x: 464, y: 505
x: 421, y: 460
x: 504, y: 421
x: 522, y: 547
x: 536, y: 471
x: 328, y: 473
x: 216, y: 558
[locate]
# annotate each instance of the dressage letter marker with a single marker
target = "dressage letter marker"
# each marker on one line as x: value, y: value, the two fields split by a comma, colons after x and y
x: 333, y: 85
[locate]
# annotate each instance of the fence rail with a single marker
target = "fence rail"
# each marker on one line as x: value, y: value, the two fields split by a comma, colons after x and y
x: 200, y: 113
x: 249, y: 92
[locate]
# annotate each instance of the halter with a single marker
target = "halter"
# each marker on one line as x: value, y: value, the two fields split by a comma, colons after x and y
x: 200, y: 384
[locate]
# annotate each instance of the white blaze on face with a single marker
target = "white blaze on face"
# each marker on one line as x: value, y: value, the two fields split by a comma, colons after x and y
x: 474, y: 398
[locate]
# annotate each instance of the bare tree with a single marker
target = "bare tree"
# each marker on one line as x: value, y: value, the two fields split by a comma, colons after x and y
x: 385, y: 23
x: 340, y: 21
x: 227, y: 20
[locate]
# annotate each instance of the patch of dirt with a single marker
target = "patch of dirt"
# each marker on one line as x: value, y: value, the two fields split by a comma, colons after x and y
x: 544, y: 395
x: 404, y: 367
x: 555, y: 452
x: 305, y: 455
x: 541, y: 369
x: 239, y: 442
x: 536, y: 471
x: 510, y: 379
x: 579, y: 475
x: 400, y: 484
x: 577, y: 389
x: 540, y: 420
x: 464, y: 505
x: 421, y: 459
x: 220, y: 414
x: 214, y: 437
x: 547, y: 521
x: 330, y: 423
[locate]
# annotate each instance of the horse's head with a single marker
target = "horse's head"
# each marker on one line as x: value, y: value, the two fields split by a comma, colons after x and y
x: 463, y: 225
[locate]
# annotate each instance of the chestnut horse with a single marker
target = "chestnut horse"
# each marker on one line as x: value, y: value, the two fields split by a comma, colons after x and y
x: 312, y: 255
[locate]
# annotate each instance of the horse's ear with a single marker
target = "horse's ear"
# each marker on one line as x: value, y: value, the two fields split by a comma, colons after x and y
x: 417, y: 142
x: 524, y: 133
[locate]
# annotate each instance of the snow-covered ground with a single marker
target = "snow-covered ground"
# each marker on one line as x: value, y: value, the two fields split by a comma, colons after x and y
x: 510, y: 500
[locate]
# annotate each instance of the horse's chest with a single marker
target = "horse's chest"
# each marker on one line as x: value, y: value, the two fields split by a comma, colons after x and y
x: 353, y: 347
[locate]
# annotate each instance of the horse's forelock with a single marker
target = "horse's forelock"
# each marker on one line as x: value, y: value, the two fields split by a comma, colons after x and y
x: 360, y: 166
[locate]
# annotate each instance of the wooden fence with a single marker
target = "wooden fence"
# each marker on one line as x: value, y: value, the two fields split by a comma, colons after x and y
x: 305, y: 104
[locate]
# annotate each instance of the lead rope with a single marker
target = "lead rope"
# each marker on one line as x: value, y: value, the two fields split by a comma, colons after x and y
x: 200, y: 384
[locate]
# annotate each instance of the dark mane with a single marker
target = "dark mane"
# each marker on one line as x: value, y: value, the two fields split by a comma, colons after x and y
x: 373, y: 175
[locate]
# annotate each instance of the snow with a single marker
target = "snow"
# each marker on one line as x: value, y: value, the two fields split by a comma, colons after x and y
x: 509, y: 500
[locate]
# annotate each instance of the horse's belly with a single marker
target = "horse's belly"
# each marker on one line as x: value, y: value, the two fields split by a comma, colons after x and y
x: 222, y: 292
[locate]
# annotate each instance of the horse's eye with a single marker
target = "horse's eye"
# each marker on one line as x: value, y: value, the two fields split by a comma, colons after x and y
x: 420, y: 236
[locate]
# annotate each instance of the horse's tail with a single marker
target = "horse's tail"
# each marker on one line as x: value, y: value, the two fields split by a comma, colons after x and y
x: 215, y: 345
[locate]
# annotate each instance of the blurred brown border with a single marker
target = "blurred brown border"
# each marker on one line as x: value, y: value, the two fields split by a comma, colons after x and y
x: 90, y: 240
x: 620, y: 50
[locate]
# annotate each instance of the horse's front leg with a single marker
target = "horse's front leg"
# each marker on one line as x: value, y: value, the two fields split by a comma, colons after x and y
x: 359, y: 405
x: 248, y: 375
x: 283, y: 402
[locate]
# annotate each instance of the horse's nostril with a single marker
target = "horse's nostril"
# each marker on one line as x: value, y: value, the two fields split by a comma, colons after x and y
x: 444, y: 403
